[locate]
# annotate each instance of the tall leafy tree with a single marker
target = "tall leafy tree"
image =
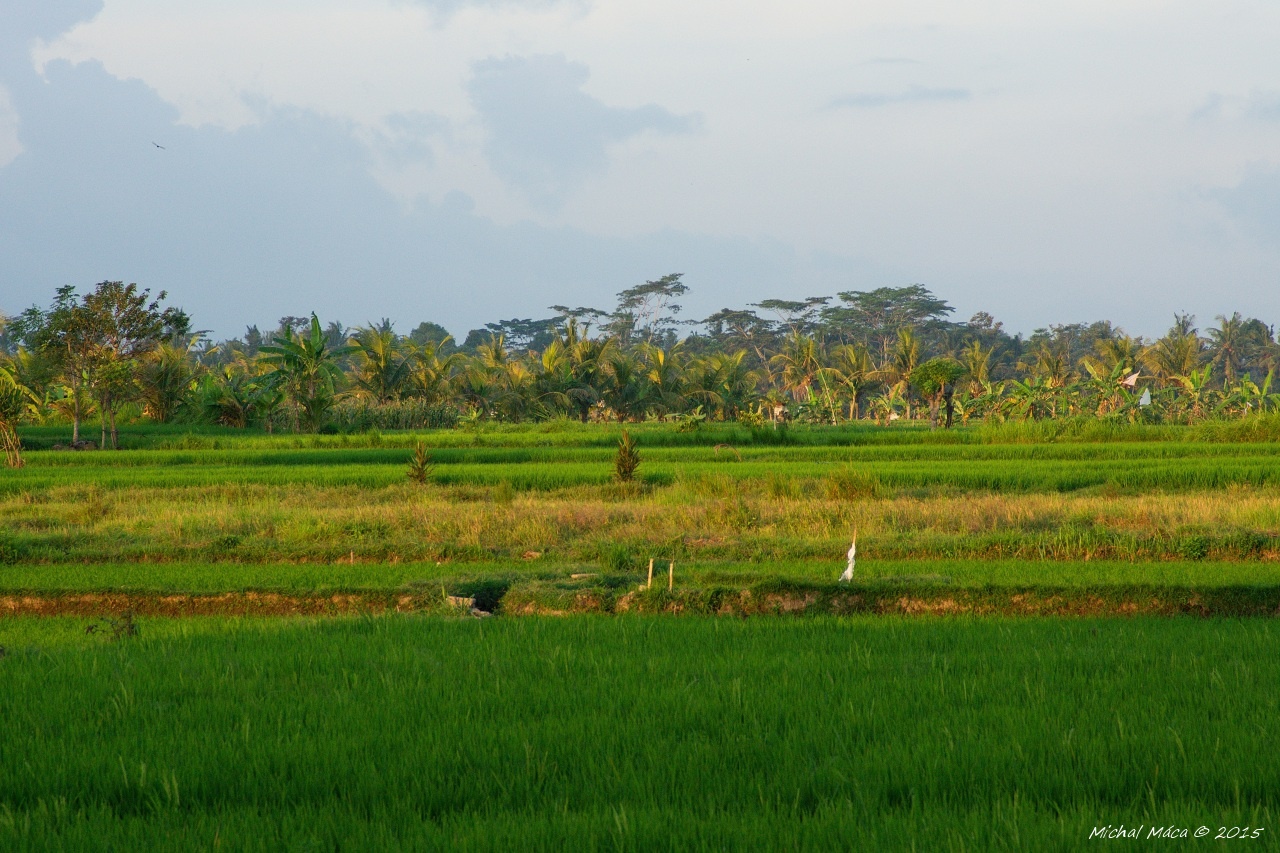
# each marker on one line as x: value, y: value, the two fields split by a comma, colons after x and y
x: 875, y: 316
x: 648, y: 310
x: 124, y: 324
x: 936, y: 381
x: 63, y: 337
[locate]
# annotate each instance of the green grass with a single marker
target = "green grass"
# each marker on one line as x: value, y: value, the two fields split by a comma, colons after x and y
x: 1131, y: 467
x: 633, y: 733
x: 638, y: 732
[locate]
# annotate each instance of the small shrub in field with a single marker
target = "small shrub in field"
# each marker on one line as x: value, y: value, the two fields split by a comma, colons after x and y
x: 627, y: 460
x: 420, y: 466
x: 1193, y: 547
x: 619, y: 559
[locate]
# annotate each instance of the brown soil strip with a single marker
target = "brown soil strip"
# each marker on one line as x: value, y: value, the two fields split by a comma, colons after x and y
x: 520, y: 602
x: 222, y: 604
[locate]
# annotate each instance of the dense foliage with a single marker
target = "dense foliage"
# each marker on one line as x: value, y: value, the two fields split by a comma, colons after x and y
x: 889, y: 354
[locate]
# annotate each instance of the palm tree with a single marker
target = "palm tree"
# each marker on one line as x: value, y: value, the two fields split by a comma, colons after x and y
x: 665, y: 373
x: 305, y: 368
x: 166, y: 378
x: 1121, y: 351
x: 1227, y: 343
x: 1176, y: 354
x: 723, y: 381
x: 382, y: 371
x: 1049, y: 364
x: 903, y: 360
x: 851, y: 370
x: 625, y: 389
x: 587, y: 358
x: 977, y: 364
x: 431, y: 374
x: 798, y: 363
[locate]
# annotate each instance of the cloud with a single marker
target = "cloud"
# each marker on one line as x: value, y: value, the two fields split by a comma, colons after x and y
x: 284, y: 217
x: 1258, y: 106
x: 915, y: 94
x: 545, y: 134
x: 28, y: 20
x: 406, y: 137
x: 1254, y: 203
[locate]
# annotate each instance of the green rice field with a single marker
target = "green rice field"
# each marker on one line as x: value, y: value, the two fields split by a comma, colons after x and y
x: 219, y: 639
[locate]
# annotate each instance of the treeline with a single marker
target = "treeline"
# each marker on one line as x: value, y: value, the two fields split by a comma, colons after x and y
x: 888, y: 354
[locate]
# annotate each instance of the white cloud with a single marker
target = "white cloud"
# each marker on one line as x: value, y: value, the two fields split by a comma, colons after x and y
x: 983, y: 146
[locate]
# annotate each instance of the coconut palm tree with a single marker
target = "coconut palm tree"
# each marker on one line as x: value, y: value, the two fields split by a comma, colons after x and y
x: 382, y: 371
x: 664, y: 370
x: 851, y: 371
x: 1226, y: 342
x: 1178, y: 353
x: 798, y: 364
x: 166, y: 377
x: 977, y: 365
x: 625, y: 390
x: 722, y: 381
x: 896, y: 371
x: 432, y: 370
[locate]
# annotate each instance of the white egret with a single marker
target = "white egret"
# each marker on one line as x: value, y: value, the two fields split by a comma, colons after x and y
x: 853, y: 552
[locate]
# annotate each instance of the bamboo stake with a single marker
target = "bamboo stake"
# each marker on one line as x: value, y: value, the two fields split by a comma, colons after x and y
x: 650, y: 583
x: 671, y: 576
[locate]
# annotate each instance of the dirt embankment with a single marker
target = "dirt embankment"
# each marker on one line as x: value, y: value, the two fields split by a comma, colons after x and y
x: 764, y: 600
x: 222, y: 604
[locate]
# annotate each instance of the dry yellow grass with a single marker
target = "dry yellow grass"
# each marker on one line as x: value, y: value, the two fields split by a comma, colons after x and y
x: 264, y: 522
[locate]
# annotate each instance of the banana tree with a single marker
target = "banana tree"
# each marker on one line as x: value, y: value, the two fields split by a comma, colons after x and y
x: 305, y: 368
x: 16, y: 401
x: 1196, y: 392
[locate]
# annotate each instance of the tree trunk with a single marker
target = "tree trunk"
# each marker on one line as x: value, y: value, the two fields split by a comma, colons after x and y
x: 115, y: 437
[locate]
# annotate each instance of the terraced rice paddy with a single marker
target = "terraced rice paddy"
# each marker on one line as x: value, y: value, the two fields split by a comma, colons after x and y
x: 1044, y: 636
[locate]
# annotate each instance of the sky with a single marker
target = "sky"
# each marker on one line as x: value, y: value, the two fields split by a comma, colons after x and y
x: 465, y: 161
